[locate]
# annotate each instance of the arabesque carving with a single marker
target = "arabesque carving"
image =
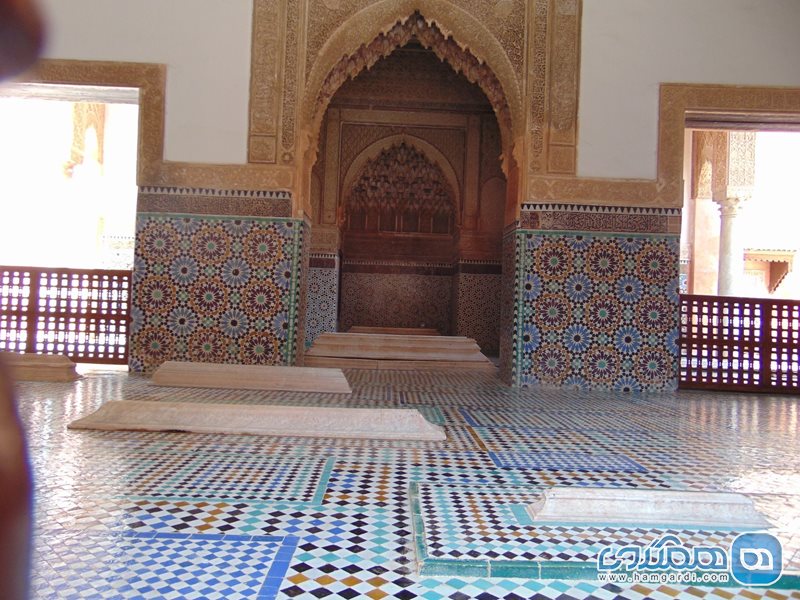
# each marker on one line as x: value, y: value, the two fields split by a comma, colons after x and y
x: 290, y: 78
x: 430, y: 36
x: 265, y: 63
x: 504, y: 19
x: 400, y: 190
x: 552, y: 83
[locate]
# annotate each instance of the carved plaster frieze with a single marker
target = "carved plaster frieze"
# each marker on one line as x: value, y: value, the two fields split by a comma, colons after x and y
x: 238, y: 177
x: 449, y: 142
x: 325, y: 239
x: 379, y: 28
x: 615, y: 192
x: 207, y: 201
x: 430, y: 36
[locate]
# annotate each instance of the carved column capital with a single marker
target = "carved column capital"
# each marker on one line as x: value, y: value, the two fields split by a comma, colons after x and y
x: 729, y: 206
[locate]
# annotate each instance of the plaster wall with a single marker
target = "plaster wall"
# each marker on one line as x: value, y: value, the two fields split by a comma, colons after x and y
x: 628, y: 47
x: 205, y: 45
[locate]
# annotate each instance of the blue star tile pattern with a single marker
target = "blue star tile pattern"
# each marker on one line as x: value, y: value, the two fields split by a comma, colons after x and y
x: 175, y: 515
x: 215, y: 289
x: 594, y: 309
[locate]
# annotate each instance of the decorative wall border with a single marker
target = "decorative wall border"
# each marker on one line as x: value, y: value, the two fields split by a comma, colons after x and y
x: 323, y: 261
x: 398, y: 268
x: 620, y: 219
x: 479, y: 267
x: 205, y: 201
x: 637, y: 210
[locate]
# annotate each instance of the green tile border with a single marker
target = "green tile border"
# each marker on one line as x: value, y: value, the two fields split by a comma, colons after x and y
x: 529, y: 569
x: 294, y: 292
x: 521, y: 515
x: 520, y: 268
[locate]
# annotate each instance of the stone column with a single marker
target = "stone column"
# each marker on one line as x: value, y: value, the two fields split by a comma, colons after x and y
x: 732, y: 185
x: 731, y: 247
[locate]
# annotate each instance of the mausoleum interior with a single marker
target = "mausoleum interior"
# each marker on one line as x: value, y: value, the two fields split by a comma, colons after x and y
x: 526, y: 222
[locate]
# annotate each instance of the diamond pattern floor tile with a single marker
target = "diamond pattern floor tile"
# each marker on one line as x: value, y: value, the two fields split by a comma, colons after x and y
x: 171, y: 515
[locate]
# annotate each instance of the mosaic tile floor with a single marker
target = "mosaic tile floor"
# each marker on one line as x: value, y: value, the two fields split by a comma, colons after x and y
x: 173, y: 515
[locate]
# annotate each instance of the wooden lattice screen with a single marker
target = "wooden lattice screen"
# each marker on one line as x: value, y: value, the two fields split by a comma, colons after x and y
x: 82, y: 314
x: 746, y: 344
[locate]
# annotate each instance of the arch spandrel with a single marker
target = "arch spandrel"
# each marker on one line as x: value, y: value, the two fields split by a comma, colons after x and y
x: 379, y: 19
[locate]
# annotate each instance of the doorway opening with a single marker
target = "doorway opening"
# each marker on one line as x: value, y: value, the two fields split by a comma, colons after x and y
x: 408, y: 198
x: 69, y: 161
x: 69, y: 156
x: 741, y: 207
x: 739, y: 308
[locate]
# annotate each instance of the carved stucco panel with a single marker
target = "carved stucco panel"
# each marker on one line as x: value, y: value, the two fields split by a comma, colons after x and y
x: 380, y: 27
x: 265, y: 67
x: 564, y: 57
x: 537, y: 85
x: 450, y: 142
x: 552, y: 86
x: 291, y: 51
x: 702, y: 158
x: 505, y: 19
x: 742, y: 159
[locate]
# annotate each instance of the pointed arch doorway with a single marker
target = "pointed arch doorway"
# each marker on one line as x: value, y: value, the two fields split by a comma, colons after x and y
x: 408, y: 195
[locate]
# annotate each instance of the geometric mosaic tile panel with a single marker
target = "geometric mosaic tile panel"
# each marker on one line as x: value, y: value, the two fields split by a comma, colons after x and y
x: 477, y: 310
x: 323, y: 301
x: 482, y: 522
x: 567, y: 461
x: 596, y: 310
x: 214, y: 289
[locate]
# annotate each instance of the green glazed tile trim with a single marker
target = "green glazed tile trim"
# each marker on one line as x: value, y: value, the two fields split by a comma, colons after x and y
x: 521, y: 515
x: 528, y: 569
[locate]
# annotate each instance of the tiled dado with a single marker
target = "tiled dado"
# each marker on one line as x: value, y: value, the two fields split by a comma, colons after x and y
x: 475, y: 304
x: 396, y: 294
x: 323, y: 295
x: 213, y: 287
x: 595, y: 297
